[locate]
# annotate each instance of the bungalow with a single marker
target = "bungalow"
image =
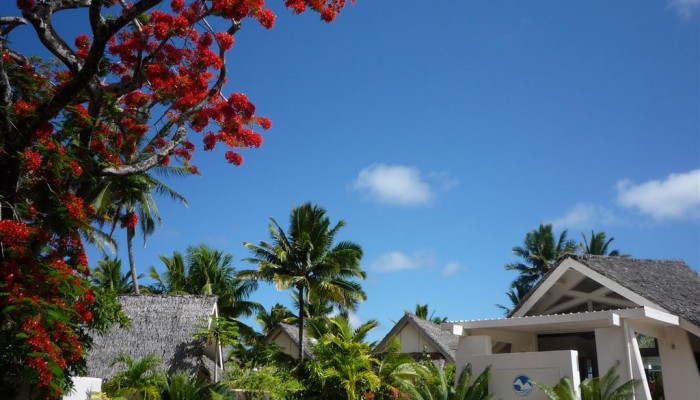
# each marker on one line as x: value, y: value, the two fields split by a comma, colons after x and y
x: 588, y: 314
x: 420, y: 337
x: 286, y: 336
x: 162, y: 325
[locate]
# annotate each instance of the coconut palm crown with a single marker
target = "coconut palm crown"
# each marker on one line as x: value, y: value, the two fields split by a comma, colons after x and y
x: 305, y: 260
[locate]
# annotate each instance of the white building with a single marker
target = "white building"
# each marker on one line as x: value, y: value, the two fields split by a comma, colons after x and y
x: 587, y: 315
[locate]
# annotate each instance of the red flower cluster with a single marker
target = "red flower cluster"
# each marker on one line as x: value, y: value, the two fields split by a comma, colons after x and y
x: 82, y: 42
x: 129, y: 220
x: 32, y: 160
x: 234, y: 158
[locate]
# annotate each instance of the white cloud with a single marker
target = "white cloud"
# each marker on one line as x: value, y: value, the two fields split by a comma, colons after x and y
x: 678, y: 196
x: 394, y: 184
x: 451, y: 268
x: 443, y: 179
x: 398, y: 261
x: 685, y: 8
x: 584, y: 215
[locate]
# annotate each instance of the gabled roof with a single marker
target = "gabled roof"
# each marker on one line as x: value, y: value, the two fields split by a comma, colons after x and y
x: 161, y: 325
x: 291, y: 331
x: 444, y: 341
x: 669, y: 284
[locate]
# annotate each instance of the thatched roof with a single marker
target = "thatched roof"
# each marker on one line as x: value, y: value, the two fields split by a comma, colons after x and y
x: 291, y: 331
x: 161, y: 325
x: 671, y: 284
x: 444, y: 341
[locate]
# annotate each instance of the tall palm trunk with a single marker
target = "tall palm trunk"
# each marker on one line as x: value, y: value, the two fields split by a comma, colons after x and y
x: 302, y: 311
x: 130, y: 233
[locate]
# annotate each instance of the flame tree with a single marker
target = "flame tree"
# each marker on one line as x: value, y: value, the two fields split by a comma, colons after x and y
x: 138, y: 89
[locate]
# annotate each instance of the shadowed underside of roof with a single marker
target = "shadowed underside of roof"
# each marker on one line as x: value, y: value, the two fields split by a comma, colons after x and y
x: 160, y: 325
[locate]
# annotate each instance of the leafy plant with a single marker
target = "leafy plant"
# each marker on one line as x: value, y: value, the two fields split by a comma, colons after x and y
x: 597, y: 388
x: 140, y: 378
x: 277, y: 383
x: 438, y: 386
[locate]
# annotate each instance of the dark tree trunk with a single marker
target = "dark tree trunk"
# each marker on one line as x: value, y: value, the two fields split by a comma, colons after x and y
x: 302, y: 311
x: 130, y: 232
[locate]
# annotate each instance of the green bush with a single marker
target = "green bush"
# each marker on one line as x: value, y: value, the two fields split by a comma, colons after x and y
x: 277, y: 383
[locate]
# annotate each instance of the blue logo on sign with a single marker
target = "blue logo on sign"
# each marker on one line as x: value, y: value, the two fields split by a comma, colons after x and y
x: 522, y: 385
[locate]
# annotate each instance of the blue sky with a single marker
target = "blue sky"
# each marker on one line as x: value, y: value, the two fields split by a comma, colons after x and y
x: 443, y: 132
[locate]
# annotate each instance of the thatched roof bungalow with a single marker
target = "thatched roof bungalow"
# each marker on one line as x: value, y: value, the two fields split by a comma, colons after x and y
x: 588, y: 314
x: 162, y: 325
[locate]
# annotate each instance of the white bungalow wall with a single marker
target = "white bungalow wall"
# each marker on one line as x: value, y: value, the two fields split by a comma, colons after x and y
x: 83, y: 388
x: 680, y: 371
x: 412, y: 341
x: 287, y: 344
x: 542, y: 367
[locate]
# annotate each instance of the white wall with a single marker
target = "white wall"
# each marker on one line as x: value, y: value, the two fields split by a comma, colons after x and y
x: 543, y: 367
x: 288, y: 345
x: 82, y: 387
x: 680, y: 372
x: 412, y: 341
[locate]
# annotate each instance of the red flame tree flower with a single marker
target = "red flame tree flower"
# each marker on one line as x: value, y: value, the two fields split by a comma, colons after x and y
x: 64, y: 125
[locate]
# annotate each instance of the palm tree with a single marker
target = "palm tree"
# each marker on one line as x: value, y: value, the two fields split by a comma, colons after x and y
x: 439, y: 387
x: 183, y: 386
x: 129, y: 200
x: 174, y: 279
x: 422, y: 312
x: 211, y: 272
x: 598, y: 245
x: 108, y: 275
x: 343, y: 361
x: 516, y: 294
x: 141, y: 378
x: 539, y: 252
x: 208, y: 271
x: 605, y: 388
x: 305, y: 260
x: 278, y: 314
x: 398, y: 371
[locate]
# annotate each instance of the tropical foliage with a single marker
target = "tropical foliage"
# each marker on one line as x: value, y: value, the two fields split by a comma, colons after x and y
x: 305, y: 260
x: 208, y: 271
x: 439, y: 386
x: 108, y: 275
x: 421, y: 311
x: 540, y: 251
x: 140, y: 378
x: 598, y: 244
x: 607, y: 387
x: 128, y: 200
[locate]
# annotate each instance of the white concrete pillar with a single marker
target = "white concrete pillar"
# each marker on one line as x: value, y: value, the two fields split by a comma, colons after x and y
x: 641, y: 390
x: 611, y: 350
x: 471, y: 346
x: 680, y: 372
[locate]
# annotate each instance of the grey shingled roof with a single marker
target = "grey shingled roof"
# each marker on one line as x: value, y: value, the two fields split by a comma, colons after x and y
x: 160, y: 324
x: 444, y: 341
x: 293, y: 332
x: 671, y: 284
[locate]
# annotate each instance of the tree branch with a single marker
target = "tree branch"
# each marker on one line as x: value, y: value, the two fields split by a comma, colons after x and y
x: 5, y: 96
x: 89, y: 69
x: 40, y: 19
x: 180, y: 133
x: 7, y: 24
